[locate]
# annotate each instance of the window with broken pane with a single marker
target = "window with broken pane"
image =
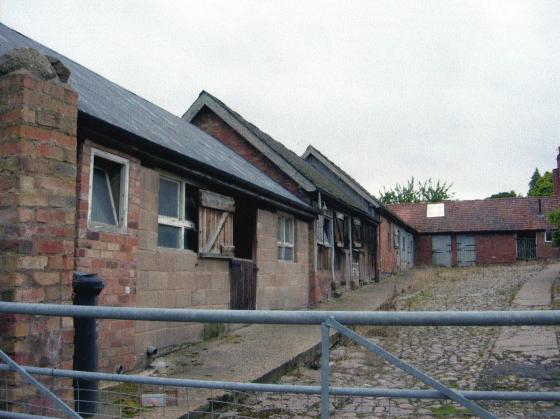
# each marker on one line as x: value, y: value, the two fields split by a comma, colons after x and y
x: 108, y: 192
x: 177, y: 214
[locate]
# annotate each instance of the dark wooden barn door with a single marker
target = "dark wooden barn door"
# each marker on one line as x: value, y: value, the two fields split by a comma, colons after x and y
x: 526, y: 246
x: 243, y: 284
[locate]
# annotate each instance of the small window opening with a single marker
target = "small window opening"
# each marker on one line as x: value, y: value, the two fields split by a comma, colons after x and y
x: 548, y: 236
x: 108, y: 195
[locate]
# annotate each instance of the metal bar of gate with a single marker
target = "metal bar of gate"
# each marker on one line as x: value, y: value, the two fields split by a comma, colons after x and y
x: 14, y: 366
x: 399, y: 363
x: 325, y: 370
x: 378, y: 318
x: 290, y: 388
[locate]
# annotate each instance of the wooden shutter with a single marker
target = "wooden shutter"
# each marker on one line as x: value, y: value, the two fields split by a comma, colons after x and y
x: 356, y: 233
x: 339, y: 229
x: 215, y: 234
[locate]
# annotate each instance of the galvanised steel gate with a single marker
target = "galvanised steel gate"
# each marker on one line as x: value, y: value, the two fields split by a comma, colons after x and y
x: 326, y: 319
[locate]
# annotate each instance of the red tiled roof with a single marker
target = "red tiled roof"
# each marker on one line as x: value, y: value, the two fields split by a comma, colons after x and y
x: 502, y: 214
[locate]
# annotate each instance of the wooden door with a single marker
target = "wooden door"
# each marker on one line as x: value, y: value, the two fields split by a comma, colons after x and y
x: 441, y: 250
x: 466, y: 250
x: 243, y: 284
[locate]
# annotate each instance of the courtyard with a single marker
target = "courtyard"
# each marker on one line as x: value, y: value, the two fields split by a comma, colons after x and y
x: 467, y: 358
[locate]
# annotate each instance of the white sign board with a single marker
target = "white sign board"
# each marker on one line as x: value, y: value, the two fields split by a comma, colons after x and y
x: 435, y: 210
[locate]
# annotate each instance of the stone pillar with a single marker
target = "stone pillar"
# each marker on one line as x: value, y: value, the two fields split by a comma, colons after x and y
x: 38, y: 121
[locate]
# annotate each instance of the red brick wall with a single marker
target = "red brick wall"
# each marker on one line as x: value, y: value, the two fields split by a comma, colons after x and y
x: 211, y: 123
x: 38, y: 121
x: 546, y: 250
x: 423, y: 250
x: 112, y: 256
x: 495, y: 248
x: 453, y: 250
x: 387, y: 251
x: 37, y: 208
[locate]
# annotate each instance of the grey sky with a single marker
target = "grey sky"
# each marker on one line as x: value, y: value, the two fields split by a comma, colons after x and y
x: 467, y: 92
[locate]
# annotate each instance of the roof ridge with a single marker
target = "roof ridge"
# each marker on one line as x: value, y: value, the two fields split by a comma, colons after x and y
x: 358, y: 184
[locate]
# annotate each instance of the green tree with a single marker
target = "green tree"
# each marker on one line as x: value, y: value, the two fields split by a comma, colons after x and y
x: 413, y: 191
x: 554, y: 219
x: 534, y: 179
x: 510, y: 194
x: 543, y: 186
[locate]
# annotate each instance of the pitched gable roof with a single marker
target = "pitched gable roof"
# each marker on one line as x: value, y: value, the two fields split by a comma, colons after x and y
x: 481, y: 215
x: 286, y: 160
x: 329, y: 168
x: 342, y: 175
x: 114, y: 105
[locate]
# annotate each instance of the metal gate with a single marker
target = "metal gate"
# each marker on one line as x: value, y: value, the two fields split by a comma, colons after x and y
x: 243, y: 284
x: 466, y: 250
x: 527, y: 247
x: 441, y: 250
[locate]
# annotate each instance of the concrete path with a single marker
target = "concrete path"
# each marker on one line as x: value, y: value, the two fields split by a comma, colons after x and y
x: 535, y: 294
x: 257, y: 352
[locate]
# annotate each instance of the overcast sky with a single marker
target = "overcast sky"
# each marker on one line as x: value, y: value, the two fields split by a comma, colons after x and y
x: 467, y: 92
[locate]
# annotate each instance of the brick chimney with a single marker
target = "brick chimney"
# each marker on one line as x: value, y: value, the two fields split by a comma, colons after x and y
x: 38, y: 122
x: 556, y: 176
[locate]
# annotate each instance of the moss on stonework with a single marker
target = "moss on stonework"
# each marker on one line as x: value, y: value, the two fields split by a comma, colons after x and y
x: 213, y: 330
x: 7, y: 294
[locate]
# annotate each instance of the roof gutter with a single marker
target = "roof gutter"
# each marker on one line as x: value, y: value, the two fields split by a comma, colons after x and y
x: 149, y: 151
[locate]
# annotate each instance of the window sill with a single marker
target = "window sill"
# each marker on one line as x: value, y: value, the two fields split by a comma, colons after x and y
x: 106, y: 228
x: 286, y: 261
x: 214, y: 256
x: 176, y: 249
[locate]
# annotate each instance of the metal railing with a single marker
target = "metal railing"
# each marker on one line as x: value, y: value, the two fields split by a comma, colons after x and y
x: 327, y: 320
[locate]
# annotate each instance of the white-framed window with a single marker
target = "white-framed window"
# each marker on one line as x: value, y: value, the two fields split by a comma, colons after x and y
x: 285, y: 236
x: 177, y: 214
x: 108, y: 192
x: 548, y: 236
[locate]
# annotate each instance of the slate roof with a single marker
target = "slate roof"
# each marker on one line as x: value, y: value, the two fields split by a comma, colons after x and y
x: 316, y: 158
x: 296, y: 163
x: 482, y: 215
x: 344, y: 176
x: 111, y: 103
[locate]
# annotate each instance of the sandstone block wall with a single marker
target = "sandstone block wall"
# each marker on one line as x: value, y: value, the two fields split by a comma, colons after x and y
x: 172, y: 278
x: 281, y: 284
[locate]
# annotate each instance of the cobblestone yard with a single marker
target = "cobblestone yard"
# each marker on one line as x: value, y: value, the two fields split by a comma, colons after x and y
x: 462, y: 357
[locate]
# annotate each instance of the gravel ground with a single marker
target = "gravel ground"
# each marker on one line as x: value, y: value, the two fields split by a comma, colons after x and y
x: 461, y: 357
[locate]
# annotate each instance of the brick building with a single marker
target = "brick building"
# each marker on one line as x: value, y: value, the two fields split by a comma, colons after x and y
x: 485, y: 231
x: 395, y: 238
x: 94, y: 178
x: 345, y: 246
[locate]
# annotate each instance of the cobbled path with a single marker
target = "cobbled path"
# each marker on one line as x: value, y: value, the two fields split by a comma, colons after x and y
x: 457, y: 356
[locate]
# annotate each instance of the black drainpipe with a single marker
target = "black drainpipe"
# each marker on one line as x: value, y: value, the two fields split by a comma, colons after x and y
x: 86, y: 289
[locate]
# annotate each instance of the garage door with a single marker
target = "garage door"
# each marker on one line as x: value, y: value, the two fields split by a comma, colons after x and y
x: 441, y: 250
x: 466, y: 250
